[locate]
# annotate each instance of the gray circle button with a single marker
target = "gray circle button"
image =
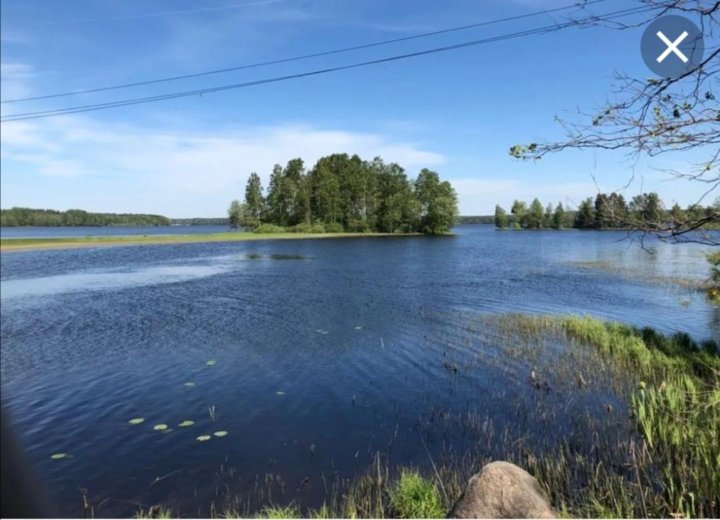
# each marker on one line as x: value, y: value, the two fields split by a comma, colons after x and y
x: 671, y: 46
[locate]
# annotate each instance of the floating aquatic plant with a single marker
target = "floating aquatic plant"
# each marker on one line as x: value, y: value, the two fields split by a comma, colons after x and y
x: 280, y: 392
x: 204, y: 438
x: 185, y: 424
x: 221, y: 433
x: 189, y: 384
x: 136, y: 420
x: 358, y: 327
x: 211, y: 363
x: 60, y: 456
x: 160, y: 427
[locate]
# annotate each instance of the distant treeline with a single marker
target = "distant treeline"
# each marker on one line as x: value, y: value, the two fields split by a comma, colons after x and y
x: 606, y: 211
x: 76, y: 217
x: 345, y: 193
x: 476, y: 219
x: 222, y: 221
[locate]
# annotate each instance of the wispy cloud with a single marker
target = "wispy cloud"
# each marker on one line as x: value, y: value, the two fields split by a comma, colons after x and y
x: 180, y: 172
x: 480, y: 195
x: 161, y: 14
x: 15, y: 79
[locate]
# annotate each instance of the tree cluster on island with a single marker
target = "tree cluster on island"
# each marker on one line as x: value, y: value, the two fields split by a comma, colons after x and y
x: 76, y: 217
x: 606, y: 211
x: 343, y: 193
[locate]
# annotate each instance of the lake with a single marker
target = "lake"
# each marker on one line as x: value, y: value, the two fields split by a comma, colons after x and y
x: 104, y: 231
x: 313, y: 355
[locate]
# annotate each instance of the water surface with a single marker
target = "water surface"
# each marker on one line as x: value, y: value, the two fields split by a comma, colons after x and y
x: 326, y: 352
x: 105, y: 231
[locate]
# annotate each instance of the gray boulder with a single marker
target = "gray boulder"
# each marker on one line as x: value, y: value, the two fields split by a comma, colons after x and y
x: 502, y: 490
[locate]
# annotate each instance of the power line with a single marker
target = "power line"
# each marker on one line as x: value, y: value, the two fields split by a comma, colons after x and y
x: 149, y: 99
x: 305, y: 56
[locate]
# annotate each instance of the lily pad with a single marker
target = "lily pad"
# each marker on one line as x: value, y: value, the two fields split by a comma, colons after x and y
x: 280, y: 392
x: 204, y: 438
x: 189, y: 384
x: 160, y: 427
x: 136, y: 420
x: 358, y: 327
x: 184, y: 424
x: 211, y: 363
x: 221, y: 433
x: 60, y: 456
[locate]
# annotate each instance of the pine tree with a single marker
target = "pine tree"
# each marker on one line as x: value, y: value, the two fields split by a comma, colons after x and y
x: 501, y: 220
x: 254, y: 201
x: 585, y: 217
x: 558, y: 219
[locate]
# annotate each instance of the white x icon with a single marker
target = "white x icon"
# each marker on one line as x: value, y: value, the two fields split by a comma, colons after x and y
x: 672, y: 47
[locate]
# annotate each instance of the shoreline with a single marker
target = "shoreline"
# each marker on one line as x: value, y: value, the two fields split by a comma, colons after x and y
x: 18, y: 245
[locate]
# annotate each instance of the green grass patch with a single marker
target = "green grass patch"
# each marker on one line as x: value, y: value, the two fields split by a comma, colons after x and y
x: 279, y: 512
x: 416, y: 497
x: 155, y: 512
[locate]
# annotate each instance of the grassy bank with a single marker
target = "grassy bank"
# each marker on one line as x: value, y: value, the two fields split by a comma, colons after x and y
x: 28, y: 244
x: 667, y: 466
x: 654, y: 453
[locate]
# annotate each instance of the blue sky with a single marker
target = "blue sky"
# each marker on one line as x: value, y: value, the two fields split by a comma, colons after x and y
x: 456, y: 112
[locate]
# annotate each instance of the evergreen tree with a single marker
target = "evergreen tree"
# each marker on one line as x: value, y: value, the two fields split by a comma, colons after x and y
x: 535, y: 217
x: 519, y: 209
x: 254, y: 201
x: 295, y: 193
x: 276, y: 210
x: 603, y: 211
x: 501, y: 220
x: 558, y: 218
x: 325, y: 200
x: 548, y: 217
x: 585, y: 217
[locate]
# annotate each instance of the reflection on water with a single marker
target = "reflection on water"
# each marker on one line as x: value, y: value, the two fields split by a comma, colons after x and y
x: 68, y: 283
x: 350, y: 348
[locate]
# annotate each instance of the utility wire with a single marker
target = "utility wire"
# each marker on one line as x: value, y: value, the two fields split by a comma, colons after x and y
x: 305, y: 56
x: 149, y: 99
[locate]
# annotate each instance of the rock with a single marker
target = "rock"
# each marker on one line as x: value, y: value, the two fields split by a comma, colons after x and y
x: 502, y: 490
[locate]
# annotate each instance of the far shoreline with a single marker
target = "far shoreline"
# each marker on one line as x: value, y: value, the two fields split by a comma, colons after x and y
x: 18, y: 245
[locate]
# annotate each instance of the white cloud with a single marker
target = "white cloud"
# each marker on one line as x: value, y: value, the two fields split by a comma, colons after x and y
x: 178, y: 173
x: 479, y: 196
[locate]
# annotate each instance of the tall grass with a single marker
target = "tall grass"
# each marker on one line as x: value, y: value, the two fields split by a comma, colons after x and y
x: 155, y: 512
x: 674, y: 467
